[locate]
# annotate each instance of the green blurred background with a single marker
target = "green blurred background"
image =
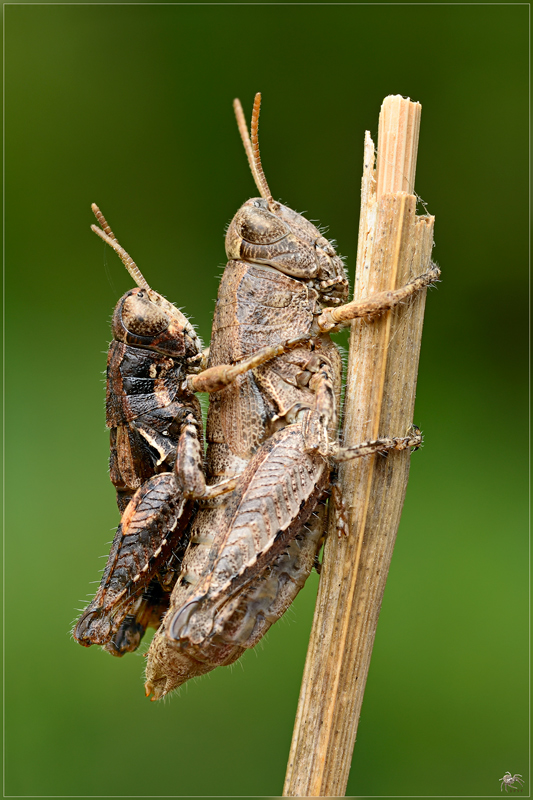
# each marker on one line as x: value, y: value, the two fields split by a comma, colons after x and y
x: 129, y: 106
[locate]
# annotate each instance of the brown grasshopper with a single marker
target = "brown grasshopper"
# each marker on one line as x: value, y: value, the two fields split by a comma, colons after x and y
x: 156, y: 463
x: 250, y: 554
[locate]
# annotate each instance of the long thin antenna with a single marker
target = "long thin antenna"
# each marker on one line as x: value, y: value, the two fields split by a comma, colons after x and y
x: 245, y: 136
x: 102, y: 220
x: 109, y: 237
x: 261, y: 181
x: 251, y: 146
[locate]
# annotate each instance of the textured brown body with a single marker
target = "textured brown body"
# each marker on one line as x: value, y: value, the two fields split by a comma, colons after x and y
x: 236, y: 584
x: 141, y: 570
x: 275, y: 379
x: 149, y: 411
x: 250, y: 555
x: 145, y: 402
x: 156, y: 462
x: 256, y: 306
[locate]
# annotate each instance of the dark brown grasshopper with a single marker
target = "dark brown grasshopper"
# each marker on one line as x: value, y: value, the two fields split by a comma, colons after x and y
x: 156, y: 461
x: 250, y: 554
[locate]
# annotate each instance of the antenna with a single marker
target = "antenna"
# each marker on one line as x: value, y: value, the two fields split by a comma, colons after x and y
x: 109, y: 237
x: 251, y: 145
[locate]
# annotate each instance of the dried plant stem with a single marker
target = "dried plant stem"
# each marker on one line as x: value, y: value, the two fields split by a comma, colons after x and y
x: 394, y: 246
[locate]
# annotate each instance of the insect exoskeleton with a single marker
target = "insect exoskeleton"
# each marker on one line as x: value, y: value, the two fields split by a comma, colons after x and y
x: 268, y: 233
x: 280, y: 275
x: 156, y: 465
x: 249, y: 556
x: 263, y: 556
x: 150, y: 410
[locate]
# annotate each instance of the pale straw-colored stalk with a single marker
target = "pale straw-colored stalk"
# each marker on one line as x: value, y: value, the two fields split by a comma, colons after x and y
x: 394, y: 246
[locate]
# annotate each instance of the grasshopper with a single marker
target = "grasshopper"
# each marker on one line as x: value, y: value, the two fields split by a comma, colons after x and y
x: 156, y: 464
x: 250, y: 553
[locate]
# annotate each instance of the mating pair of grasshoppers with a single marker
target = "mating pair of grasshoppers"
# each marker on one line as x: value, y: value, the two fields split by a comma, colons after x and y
x: 217, y: 559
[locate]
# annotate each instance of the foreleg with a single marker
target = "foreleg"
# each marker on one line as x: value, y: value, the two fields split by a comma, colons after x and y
x: 216, y: 378
x: 376, y: 303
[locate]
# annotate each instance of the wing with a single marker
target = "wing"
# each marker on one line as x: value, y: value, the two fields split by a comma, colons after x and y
x: 276, y: 496
x: 150, y: 537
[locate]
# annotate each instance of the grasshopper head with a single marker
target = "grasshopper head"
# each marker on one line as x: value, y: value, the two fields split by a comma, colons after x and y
x: 269, y: 233
x: 264, y: 231
x: 144, y: 318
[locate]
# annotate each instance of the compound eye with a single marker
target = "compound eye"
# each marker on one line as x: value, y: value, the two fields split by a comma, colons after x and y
x: 259, y: 226
x: 141, y: 317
